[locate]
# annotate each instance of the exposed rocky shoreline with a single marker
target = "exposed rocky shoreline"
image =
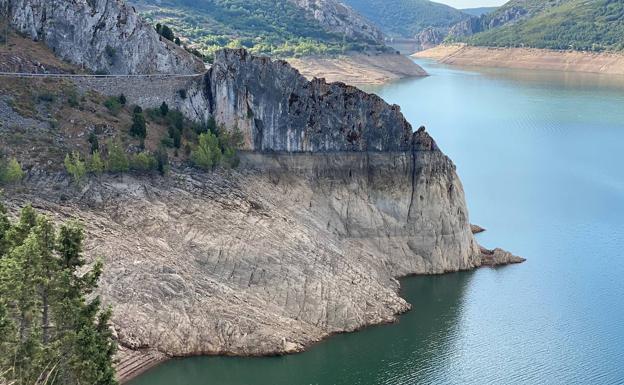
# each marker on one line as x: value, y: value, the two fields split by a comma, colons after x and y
x: 526, y: 58
x: 359, y: 69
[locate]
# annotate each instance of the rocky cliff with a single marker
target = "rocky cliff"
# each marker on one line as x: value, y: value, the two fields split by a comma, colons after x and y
x: 339, y: 18
x: 102, y: 35
x: 279, y: 110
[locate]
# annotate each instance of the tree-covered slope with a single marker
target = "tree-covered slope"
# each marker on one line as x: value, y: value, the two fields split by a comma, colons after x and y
x: 407, y: 18
x: 556, y: 24
x: 278, y: 28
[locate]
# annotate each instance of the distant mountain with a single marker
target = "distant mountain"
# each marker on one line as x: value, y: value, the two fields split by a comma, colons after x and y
x: 407, y: 18
x: 477, y: 12
x: 278, y: 27
x: 595, y: 25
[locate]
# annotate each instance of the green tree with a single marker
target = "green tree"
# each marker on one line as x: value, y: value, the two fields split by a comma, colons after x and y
x: 75, y: 166
x: 96, y: 164
x: 207, y: 154
x: 49, y: 331
x: 93, y: 141
x: 113, y: 105
x: 164, y: 109
x: 143, y: 162
x: 117, y: 158
x: 12, y: 172
x: 139, y: 127
x: 167, y: 33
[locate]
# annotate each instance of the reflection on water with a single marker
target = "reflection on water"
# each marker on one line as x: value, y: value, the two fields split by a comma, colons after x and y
x: 413, y: 350
x: 541, y: 157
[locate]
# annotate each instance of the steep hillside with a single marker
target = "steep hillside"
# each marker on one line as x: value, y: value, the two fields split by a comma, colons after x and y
x: 477, y: 12
x: 565, y: 24
x: 281, y: 28
x: 407, y: 18
x: 103, y: 36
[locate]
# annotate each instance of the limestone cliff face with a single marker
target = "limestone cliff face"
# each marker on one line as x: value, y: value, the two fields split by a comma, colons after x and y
x: 339, y: 18
x: 279, y: 110
x: 102, y: 35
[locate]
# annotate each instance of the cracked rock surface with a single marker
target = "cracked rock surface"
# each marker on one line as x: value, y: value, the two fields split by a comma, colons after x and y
x: 104, y: 36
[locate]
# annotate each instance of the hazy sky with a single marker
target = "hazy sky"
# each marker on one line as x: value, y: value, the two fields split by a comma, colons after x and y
x: 471, y: 3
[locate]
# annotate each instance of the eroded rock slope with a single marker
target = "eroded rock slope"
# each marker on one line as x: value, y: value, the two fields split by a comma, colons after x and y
x: 102, y: 35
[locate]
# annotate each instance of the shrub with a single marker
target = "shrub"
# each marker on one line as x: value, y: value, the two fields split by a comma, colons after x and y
x: 122, y: 99
x: 162, y: 160
x: 11, y: 172
x: 176, y: 135
x: 182, y: 93
x: 117, y: 158
x: 164, y: 109
x: 46, y: 97
x: 143, y: 162
x: 137, y: 110
x: 75, y: 166
x: 72, y: 98
x: 113, y: 105
x: 96, y: 164
x: 207, y: 153
x: 93, y: 141
x: 138, y: 128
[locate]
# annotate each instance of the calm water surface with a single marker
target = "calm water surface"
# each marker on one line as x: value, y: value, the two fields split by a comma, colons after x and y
x: 541, y: 156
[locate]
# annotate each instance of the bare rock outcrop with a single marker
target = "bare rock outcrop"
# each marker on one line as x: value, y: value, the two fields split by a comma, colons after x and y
x: 280, y: 110
x: 341, y: 19
x: 102, y: 35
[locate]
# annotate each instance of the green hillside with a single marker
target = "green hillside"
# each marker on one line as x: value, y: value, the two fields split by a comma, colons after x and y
x: 407, y: 18
x: 277, y: 28
x: 596, y: 25
x: 478, y: 11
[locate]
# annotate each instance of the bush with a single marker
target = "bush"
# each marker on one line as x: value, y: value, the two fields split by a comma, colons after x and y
x: 122, y: 99
x: 176, y: 136
x: 96, y: 164
x: 11, y: 172
x: 117, y: 158
x: 75, y: 166
x: 93, y: 141
x: 162, y: 160
x: 137, y: 110
x: 164, y: 109
x: 72, y: 98
x: 182, y: 93
x: 138, y: 128
x: 113, y: 105
x: 143, y: 162
x: 207, y: 154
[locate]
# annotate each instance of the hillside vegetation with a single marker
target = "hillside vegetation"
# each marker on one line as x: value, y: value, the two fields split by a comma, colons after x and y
x: 277, y: 28
x: 407, y: 18
x: 564, y: 24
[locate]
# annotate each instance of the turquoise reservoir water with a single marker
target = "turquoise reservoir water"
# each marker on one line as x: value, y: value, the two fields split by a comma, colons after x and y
x: 541, y: 156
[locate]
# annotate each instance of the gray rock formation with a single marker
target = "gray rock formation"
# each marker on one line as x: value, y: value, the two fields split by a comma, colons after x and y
x: 339, y: 18
x: 430, y: 37
x: 101, y: 35
x: 277, y: 109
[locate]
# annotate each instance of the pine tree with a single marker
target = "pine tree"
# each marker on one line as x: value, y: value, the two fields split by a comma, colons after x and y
x: 96, y: 164
x: 48, y: 328
x: 139, y: 128
x: 207, y: 154
x: 164, y: 109
x: 117, y: 158
x: 75, y: 167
